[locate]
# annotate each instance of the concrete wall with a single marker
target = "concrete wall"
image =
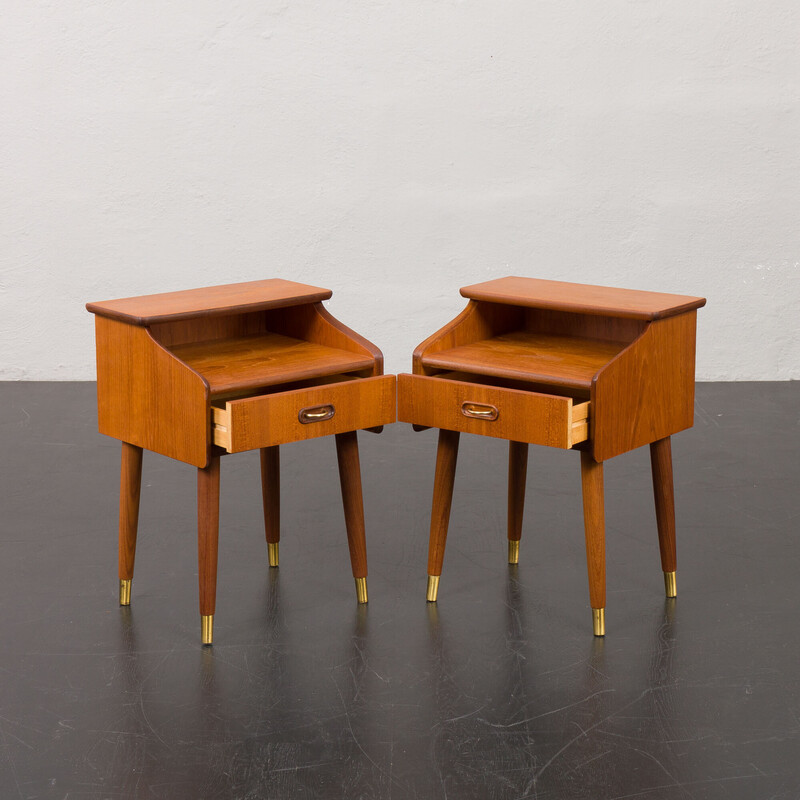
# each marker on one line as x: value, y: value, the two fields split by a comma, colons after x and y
x: 395, y: 151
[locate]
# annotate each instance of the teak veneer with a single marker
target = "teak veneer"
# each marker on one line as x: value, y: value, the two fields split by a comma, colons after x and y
x: 196, y: 374
x: 566, y: 361
x: 265, y: 359
x: 592, y: 368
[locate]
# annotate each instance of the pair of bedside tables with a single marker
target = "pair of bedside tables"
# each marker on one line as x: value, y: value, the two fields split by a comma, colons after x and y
x: 194, y: 375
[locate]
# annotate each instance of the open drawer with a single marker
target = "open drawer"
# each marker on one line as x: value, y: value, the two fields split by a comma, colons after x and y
x: 489, y: 410
x: 281, y: 417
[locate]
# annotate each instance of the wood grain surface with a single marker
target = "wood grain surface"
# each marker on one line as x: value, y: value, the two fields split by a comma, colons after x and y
x: 310, y: 322
x: 565, y: 361
x: 583, y: 298
x: 148, y: 397
x: 477, y: 321
x: 314, y: 323
x: 443, y: 482
x: 583, y: 326
x: 250, y: 362
x: 208, y: 533
x: 647, y: 392
x: 664, y: 494
x: 521, y: 384
x: 209, y: 301
x: 352, y: 500
x: 205, y: 329
x: 594, y: 525
x: 271, y: 419
x: 517, y: 473
x: 522, y: 416
x: 270, y: 458
x: 129, y: 492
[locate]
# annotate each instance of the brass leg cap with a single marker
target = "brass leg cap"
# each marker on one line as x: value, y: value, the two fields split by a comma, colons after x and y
x: 670, y: 585
x: 272, y: 551
x: 599, y: 621
x: 124, y: 592
x: 513, y: 551
x: 361, y: 590
x: 433, y: 588
x: 207, y: 628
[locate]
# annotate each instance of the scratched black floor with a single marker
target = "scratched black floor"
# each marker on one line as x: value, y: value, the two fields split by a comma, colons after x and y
x: 500, y: 691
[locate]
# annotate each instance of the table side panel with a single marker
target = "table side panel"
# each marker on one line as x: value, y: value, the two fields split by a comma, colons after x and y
x: 147, y: 397
x: 273, y: 419
x: 647, y: 392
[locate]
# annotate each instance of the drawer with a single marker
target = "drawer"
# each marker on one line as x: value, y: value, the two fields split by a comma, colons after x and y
x: 282, y: 417
x: 492, y: 411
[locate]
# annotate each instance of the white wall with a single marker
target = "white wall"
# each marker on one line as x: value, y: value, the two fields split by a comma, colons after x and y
x: 395, y: 151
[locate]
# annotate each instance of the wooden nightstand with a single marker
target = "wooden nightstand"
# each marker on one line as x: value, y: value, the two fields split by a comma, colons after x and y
x: 590, y: 368
x: 200, y: 373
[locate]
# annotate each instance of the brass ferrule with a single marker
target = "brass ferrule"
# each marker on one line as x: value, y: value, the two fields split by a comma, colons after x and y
x: 124, y: 592
x: 513, y: 551
x: 670, y: 585
x: 207, y: 628
x: 599, y: 621
x: 361, y: 590
x: 433, y: 588
x: 272, y: 551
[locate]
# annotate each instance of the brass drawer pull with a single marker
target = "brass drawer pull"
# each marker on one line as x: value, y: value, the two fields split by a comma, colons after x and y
x: 479, y: 410
x: 315, y: 414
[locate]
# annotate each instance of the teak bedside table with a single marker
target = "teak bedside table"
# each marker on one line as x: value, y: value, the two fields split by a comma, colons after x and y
x: 197, y: 374
x: 590, y: 368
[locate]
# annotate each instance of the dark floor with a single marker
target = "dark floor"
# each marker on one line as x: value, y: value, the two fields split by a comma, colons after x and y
x: 499, y: 691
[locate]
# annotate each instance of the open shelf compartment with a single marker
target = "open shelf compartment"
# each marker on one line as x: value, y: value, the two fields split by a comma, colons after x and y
x: 567, y: 361
x: 265, y: 359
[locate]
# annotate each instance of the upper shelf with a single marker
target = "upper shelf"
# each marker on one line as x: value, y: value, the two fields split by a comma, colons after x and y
x: 565, y: 361
x: 265, y: 359
x: 582, y: 298
x: 210, y: 301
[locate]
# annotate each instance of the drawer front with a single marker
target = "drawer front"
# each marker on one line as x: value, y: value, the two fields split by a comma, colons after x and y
x: 491, y: 411
x: 284, y: 417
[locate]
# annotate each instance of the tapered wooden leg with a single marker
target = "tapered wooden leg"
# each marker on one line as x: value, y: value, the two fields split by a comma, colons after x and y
x: 517, y: 472
x: 353, y: 502
x: 271, y: 495
x: 661, y: 462
x: 129, y: 489
x: 595, y: 530
x: 443, y: 482
x: 207, y: 541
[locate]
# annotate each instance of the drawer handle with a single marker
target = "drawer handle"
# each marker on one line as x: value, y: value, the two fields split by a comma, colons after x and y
x: 315, y: 414
x: 479, y: 411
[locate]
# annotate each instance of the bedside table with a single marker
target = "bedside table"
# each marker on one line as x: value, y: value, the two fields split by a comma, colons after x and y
x: 196, y: 374
x: 589, y: 368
